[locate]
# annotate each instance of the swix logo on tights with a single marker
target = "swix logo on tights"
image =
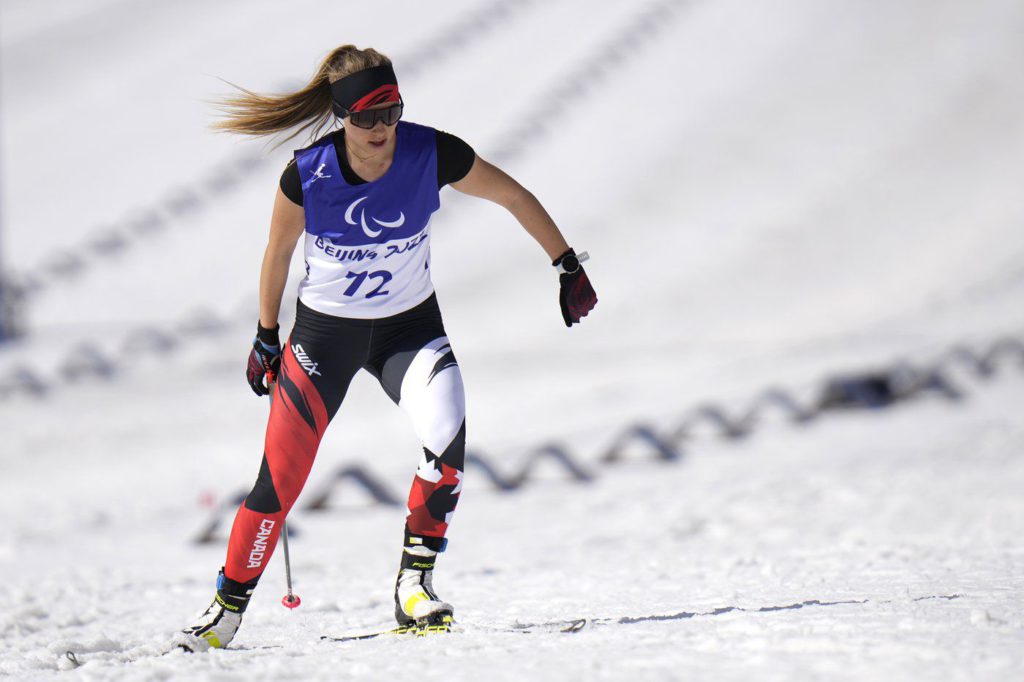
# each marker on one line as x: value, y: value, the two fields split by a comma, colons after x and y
x: 259, y: 548
x: 304, y: 360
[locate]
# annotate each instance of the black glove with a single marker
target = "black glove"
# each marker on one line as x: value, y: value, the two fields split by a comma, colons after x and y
x: 576, y: 296
x: 265, y: 358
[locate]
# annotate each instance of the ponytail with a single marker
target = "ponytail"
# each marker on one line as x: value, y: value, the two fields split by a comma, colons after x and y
x: 251, y: 113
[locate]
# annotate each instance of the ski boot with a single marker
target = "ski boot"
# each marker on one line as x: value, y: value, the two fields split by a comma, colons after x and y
x: 217, y: 626
x: 417, y: 607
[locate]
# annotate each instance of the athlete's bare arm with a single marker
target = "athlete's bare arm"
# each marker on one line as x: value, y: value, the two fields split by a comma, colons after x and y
x: 489, y: 182
x: 286, y: 225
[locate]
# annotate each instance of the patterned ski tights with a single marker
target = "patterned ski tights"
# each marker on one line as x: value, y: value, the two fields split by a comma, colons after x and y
x: 410, y: 355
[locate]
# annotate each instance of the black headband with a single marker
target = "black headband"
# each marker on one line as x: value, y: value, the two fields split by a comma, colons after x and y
x: 363, y: 89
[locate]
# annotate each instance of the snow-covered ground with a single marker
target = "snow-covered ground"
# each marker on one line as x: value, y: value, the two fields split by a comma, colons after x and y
x: 769, y: 191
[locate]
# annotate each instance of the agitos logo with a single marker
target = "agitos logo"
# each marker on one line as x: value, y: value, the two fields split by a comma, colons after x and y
x: 390, y: 224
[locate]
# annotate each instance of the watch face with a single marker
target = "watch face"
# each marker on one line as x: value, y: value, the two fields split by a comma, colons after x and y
x: 570, y: 264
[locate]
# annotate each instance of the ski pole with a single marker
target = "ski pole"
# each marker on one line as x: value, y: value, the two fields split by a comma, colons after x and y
x: 290, y: 600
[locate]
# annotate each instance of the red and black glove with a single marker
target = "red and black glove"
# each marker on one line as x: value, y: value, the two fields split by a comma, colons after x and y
x: 265, y: 358
x: 576, y: 296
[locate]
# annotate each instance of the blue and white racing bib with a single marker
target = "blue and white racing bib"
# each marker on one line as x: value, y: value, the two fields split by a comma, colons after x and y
x: 368, y: 246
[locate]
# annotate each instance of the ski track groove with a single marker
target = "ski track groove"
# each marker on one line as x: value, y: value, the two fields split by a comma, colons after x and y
x: 554, y: 627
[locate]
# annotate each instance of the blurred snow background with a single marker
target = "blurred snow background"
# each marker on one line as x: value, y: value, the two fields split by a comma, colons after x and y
x: 769, y: 192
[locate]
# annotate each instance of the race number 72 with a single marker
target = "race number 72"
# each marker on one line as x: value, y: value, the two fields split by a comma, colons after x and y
x: 359, y: 277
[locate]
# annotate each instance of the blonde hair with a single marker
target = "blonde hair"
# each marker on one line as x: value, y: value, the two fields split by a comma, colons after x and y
x: 251, y: 113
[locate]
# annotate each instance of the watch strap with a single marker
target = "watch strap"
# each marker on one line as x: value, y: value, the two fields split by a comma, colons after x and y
x: 560, y: 267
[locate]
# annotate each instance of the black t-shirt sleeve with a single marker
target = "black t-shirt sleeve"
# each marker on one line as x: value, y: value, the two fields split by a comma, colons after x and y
x: 291, y: 184
x: 454, y: 158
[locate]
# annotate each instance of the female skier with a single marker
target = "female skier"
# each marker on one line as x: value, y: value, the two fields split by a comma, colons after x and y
x: 363, y: 195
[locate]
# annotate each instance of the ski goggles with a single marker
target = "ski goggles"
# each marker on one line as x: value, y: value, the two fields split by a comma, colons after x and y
x: 367, y: 119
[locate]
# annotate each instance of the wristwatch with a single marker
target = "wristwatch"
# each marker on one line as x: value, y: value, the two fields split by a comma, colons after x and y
x: 570, y: 263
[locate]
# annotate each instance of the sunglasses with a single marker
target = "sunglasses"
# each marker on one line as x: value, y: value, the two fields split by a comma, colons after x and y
x: 368, y: 119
